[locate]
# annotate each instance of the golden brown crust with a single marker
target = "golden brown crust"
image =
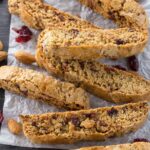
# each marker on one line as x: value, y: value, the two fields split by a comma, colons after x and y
x: 39, y: 15
x: 132, y: 146
x: 92, y: 44
x: 101, y: 80
x: 121, y: 12
x: 38, y: 86
x: 93, y: 124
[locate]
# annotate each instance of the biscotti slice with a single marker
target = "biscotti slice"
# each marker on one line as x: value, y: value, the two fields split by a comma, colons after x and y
x: 132, y: 146
x: 106, y: 82
x: 126, y: 13
x: 91, y: 44
x: 92, y: 124
x: 38, y: 86
x: 39, y: 15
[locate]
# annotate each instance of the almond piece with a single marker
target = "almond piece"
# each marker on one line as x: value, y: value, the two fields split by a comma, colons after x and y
x: 14, y: 127
x: 25, y: 57
x: 1, y: 45
x: 3, y: 55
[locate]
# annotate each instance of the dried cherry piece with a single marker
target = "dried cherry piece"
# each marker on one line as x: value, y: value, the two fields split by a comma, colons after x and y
x: 1, y: 117
x: 109, y: 69
x: 120, y: 67
x: 34, y: 124
x: 112, y: 112
x: 25, y: 34
x: 140, y: 140
x: 75, y: 32
x: 133, y: 63
x: 112, y: 15
x: 75, y: 121
x: 119, y: 42
x: 24, y: 31
x: 23, y: 39
x: 90, y: 115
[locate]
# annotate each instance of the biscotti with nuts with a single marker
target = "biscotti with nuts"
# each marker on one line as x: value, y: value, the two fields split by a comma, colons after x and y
x: 132, y: 146
x: 126, y: 13
x: 39, y: 15
x: 106, y: 82
x: 38, y: 86
x: 91, y: 44
x: 92, y: 124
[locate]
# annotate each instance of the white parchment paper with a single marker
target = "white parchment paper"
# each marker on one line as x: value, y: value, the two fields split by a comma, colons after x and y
x: 15, y: 105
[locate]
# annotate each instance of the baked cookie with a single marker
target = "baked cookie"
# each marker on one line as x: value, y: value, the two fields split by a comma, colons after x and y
x: 38, y: 86
x: 132, y: 146
x: 126, y: 13
x: 106, y: 82
x: 93, y: 124
x: 132, y: 20
x: 92, y: 44
x: 39, y: 15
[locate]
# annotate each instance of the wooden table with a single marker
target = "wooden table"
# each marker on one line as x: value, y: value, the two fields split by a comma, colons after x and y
x: 4, y: 36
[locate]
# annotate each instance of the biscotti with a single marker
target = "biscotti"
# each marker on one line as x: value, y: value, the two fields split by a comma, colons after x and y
x: 106, y: 82
x: 39, y: 15
x: 92, y: 44
x: 92, y: 124
x: 38, y: 86
x: 132, y: 146
x: 126, y: 13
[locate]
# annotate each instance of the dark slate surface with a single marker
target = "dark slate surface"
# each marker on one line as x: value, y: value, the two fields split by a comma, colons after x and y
x: 4, y: 36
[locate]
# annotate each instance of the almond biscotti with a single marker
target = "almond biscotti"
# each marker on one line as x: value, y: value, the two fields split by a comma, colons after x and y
x: 92, y: 44
x: 92, y: 124
x: 126, y: 13
x: 38, y: 86
x: 101, y: 80
x: 132, y: 146
x: 40, y: 15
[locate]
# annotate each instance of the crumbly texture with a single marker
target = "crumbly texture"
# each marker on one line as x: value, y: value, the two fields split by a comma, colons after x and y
x: 115, y: 43
x: 14, y: 6
x: 39, y: 15
x: 38, y: 86
x: 132, y: 146
x: 126, y: 13
x: 101, y: 80
x: 92, y: 44
x: 92, y: 124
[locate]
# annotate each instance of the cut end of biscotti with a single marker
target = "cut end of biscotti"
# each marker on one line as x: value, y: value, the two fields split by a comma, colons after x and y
x: 38, y: 86
x: 92, y: 44
x: 92, y: 124
x: 104, y: 81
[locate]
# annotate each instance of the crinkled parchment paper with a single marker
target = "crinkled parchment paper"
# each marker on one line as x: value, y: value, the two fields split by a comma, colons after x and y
x: 15, y: 105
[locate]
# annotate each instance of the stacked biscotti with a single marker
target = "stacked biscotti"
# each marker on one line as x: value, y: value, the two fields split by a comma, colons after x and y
x: 69, y: 48
x: 69, y: 54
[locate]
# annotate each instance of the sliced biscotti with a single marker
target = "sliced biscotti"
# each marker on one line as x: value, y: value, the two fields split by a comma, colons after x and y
x: 101, y: 80
x: 40, y: 15
x: 91, y: 44
x: 132, y: 146
x: 127, y: 13
x: 92, y: 124
x: 38, y: 86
